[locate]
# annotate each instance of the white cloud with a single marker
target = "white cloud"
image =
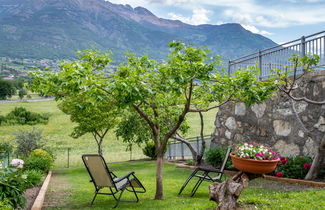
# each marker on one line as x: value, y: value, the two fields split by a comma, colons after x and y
x: 199, y: 16
x: 272, y: 13
x: 256, y: 30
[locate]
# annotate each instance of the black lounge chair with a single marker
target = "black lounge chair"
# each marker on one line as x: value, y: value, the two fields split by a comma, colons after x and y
x: 102, y: 177
x: 205, y: 174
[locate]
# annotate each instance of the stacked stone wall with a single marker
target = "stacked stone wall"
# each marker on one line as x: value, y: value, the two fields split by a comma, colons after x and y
x: 275, y: 123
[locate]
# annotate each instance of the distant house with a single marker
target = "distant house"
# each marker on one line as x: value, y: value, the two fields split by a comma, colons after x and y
x: 9, y: 78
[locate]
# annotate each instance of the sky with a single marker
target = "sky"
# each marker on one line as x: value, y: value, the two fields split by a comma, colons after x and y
x: 279, y: 20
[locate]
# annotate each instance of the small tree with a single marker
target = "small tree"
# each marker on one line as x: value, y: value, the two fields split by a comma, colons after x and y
x: 94, y: 118
x: 290, y: 82
x: 6, y: 89
x: 80, y: 89
x: 27, y: 141
x: 21, y: 93
x: 163, y: 93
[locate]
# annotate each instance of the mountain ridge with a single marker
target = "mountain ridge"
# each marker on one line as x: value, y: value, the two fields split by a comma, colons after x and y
x: 56, y: 29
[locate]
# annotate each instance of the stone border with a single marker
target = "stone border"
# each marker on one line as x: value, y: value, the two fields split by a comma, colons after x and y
x: 38, y: 203
x: 267, y: 177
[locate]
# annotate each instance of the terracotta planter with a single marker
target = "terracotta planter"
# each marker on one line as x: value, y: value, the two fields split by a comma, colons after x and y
x: 254, y: 166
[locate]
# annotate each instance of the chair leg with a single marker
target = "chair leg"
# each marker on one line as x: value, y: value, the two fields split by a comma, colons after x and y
x: 187, y: 180
x: 118, y: 199
x: 135, y: 193
x: 94, y: 197
x: 197, y: 185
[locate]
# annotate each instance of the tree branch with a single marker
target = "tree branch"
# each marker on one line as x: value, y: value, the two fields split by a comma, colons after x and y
x: 304, y: 99
x: 181, y: 116
x: 146, y: 118
x: 213, y: 107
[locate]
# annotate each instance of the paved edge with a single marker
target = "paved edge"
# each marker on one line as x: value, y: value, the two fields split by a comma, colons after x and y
x: 272, y: 178
x: 38, y: 203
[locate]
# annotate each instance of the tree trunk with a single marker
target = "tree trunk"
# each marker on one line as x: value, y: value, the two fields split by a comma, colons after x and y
x: 316, y: 165
x: 100, y: 151
x: 159, y: 174
x: 227, y: 192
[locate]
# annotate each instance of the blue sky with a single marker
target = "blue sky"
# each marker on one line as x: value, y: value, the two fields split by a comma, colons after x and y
x: 279, y: 20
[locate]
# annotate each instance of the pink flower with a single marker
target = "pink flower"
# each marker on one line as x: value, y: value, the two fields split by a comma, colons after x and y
x: 279, y: 174
x: 18, y: 163
x: 307, y: 166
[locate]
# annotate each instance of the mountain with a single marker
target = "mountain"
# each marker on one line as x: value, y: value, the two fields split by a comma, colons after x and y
x: 56, y: 29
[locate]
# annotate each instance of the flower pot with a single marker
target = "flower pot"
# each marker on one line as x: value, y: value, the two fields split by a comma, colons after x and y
x: 254, y: 166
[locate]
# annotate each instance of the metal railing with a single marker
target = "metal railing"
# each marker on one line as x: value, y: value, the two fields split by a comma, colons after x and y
x: 277, y: 56
x: 179, y: 150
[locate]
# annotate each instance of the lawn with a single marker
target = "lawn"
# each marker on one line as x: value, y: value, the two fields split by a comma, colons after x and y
x: 56, y: 134
x: 70, y: 189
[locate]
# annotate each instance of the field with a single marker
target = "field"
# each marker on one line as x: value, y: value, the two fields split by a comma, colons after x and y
x: 56, y: 134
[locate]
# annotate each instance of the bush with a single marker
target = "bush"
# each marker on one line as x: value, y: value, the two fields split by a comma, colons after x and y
x: 22, y: 116
x: 214, y: 156
x: 5, y: 205
x: 34, y: 177
x: 12, y: 186
x: 2, y: 119
x: 28, y: 141
x: 5, y: 147
x: 150, y: 150
x: 39, y: 160
x: 293, y: 167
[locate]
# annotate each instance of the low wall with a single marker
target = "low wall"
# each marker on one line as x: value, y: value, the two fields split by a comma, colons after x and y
x: 274, y: 122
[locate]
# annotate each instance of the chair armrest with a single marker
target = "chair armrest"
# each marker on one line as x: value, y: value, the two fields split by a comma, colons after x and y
x: 209, y: 170
x: 124, y: 177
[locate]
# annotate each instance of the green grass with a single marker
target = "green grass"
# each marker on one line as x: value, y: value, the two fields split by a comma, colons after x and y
x: 57, y: 131
x: 78, y: 192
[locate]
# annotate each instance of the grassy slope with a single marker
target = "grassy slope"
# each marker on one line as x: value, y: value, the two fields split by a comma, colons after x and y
x: 259, y: 193
x: 57, y: 131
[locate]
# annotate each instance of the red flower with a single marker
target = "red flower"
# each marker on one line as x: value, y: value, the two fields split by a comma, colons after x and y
x: 284, y: 161
x: 279, y: 174
x: 307, y: 166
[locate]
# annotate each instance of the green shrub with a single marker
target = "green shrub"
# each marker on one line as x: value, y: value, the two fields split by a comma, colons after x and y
x: 34, y: 177
x: 293, y: 167
x: 39, y: 160
x: 22, y: 116
x: 5, y: 147
x: 12, y: 186
x: 214, y: 156
x: 190, y: 162
x: 150, y: 150
x: 5, y: 204
x: 2, y: 119
x: 28, y: 141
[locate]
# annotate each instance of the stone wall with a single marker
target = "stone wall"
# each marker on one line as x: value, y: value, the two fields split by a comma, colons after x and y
x: 274, y: 122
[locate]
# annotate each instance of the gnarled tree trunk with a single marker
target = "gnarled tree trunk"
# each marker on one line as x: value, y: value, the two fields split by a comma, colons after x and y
x: 316, y: 165
x: 227, y: 192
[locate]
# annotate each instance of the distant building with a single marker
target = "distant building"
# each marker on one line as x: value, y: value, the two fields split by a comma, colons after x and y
x: 9, y: 78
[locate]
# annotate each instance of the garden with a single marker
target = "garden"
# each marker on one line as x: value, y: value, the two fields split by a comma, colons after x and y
x: 140, y: 106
